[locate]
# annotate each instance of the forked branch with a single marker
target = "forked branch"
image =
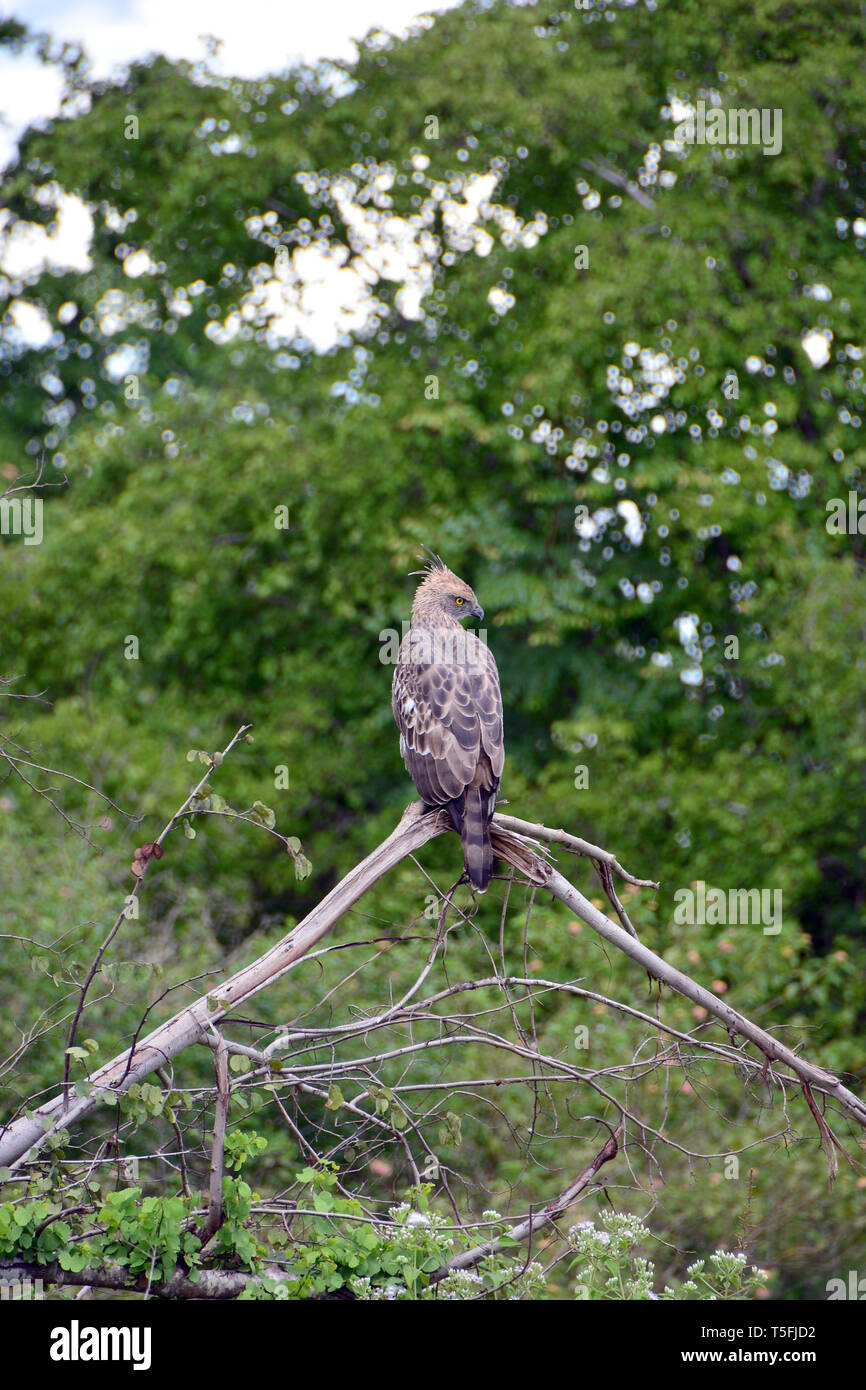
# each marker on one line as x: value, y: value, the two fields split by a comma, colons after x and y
x: 23, y: 1138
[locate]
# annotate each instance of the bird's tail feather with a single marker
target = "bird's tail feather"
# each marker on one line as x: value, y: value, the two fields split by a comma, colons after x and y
x: 475, y: 836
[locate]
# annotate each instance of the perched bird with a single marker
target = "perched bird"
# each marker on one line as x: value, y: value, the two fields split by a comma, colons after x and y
x: 448, y: 707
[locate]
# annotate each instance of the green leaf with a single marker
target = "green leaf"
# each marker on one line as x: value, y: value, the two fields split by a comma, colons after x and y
x: 264, y: 814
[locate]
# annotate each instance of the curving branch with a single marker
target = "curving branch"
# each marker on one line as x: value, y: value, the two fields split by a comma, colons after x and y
x: 24, y: 1137
x: 548, y: 1214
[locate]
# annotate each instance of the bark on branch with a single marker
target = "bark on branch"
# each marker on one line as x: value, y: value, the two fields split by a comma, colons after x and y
x: 210, y: 1284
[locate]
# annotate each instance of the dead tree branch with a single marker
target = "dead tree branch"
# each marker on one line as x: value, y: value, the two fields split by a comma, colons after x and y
x: 549, y: 1213
x: 24, y: 1137
x: 217, y: 1165
x: 210, y: 1284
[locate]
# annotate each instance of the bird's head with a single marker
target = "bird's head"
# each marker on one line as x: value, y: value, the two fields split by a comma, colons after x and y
x: 443, y: 594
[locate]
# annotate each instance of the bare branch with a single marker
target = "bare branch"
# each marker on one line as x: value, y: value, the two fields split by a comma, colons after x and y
x: 155, y: 852
x: 26, y: 1135
x: 210, y: 1284
x: 622, y: 181
x: 572, y: 843
x: 546, y: 1217
x: 217, y: 1163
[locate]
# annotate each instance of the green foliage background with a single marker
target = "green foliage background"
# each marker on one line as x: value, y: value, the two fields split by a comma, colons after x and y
x: 752, y: 775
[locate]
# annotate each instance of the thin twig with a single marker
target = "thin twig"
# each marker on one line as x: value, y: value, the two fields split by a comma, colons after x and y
x: 124, y: 911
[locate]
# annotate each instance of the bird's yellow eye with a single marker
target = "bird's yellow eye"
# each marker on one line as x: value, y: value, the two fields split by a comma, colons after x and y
x: 460, y: 600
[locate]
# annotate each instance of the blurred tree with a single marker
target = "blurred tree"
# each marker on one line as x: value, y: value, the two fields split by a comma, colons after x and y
x: 476, y: 279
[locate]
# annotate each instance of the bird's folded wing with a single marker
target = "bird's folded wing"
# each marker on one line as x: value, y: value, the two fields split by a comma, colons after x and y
x: 446, y: 715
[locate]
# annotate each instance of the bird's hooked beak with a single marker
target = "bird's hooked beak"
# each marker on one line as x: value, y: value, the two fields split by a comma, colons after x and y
x: 477, y: 612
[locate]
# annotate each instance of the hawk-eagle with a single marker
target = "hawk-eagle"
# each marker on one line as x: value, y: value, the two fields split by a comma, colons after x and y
x: 448, y: 708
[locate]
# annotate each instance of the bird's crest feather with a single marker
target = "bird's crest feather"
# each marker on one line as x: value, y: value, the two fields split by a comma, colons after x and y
x: 435, y: 564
